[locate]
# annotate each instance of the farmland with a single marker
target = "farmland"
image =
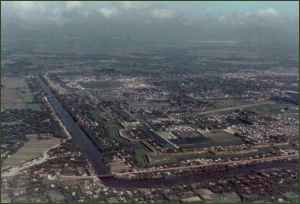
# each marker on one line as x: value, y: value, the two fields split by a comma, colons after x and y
x: 15, y: 94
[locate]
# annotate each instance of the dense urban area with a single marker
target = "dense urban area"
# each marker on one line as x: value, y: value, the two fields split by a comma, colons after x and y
x: 162, y: 125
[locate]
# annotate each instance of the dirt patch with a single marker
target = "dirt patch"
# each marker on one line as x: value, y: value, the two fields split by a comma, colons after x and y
x: 32, y: 149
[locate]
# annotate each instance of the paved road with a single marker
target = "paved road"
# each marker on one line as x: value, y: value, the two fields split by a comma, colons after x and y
x: 208, y: 174
x: 236, y: 163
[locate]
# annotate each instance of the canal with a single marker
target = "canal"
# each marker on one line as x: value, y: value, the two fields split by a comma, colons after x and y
x: 79, y: 138
x: 94, y: 154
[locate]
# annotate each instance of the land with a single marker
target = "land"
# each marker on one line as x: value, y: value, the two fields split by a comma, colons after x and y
x: 15, y: 94
x: 32, y: 149
x: 211, y: 128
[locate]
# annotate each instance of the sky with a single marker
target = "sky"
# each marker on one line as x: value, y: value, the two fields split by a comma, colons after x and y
x: 166, y: 9
x: 149, y: 21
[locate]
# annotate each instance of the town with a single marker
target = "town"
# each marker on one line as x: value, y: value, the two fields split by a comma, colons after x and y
x: 149, y: 102
x: 157, y: 132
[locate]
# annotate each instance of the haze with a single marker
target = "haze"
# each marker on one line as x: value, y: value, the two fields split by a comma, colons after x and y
x: 98, y: 26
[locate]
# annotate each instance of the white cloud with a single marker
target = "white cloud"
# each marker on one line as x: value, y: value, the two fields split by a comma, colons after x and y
x: 128, y: 4
x: 163, y: 13
x: 108, y: 12
x: 259, y: 16
x: 133, y: 4
x: 269, y: 12
x: 72, y: 4
x: 234, y: 18
x: 25, y: 4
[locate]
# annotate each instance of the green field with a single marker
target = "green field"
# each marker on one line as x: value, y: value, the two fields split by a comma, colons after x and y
x: 220, y: 137
x: 224, y: 103
x: 100, y: 84
x: 140, y: 156
x: 274, y: 108
x: 15, y: 94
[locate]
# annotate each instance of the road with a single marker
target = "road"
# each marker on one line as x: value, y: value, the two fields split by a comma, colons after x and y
x: 199, y: 175
x: 235, y: 163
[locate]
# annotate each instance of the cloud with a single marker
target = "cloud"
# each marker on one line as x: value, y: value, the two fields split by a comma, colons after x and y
x: 129, y: 4
x: 269, y: 12
x: 108, y: 12
x: 72, y: 4
x: 98, y: 21
x: 131, y: 12
x: 133, y: 4
x: 261, y: 16
x: 163, y: 13
x: 25, y: 5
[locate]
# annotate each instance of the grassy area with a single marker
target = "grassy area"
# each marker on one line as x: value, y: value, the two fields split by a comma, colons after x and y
x: 113, y: 130
x: 140, y: 156
x: 220, y: 137
x: 224, y: 103
x: 166, y: 135
x: 273, y: 108
x: 292, y: 197
x: 33, y: 106
x: 10, y: 96
x: 27, y: 98
x: 100, y: 84
x: 32, y: 149
x: 15, y: 94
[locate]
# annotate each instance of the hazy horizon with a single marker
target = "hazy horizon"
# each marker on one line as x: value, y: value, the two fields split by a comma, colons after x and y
x: 90, y: 26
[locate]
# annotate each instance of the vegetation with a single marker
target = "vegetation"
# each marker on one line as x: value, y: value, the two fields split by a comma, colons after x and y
x: 140, y: 156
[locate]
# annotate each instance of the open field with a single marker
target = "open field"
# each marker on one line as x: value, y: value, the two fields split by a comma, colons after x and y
x: 140, y: 156
x: 241, y: 107
x: 10, y: 94
x: 274, y: 108
x: 101, y: 84
x: 220, y: 137
x: 213, y: 138
x: 32, y: 149
x: 225, y: 103
x: 15, y: 94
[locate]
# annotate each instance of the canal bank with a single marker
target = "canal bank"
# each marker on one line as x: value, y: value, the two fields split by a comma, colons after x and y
x: 79, y: 137
x: 95, y: 156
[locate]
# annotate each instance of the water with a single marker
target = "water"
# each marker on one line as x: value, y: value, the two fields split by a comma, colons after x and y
x: 212, y: 174
x: 79, y: 138
x: 95, y: 157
